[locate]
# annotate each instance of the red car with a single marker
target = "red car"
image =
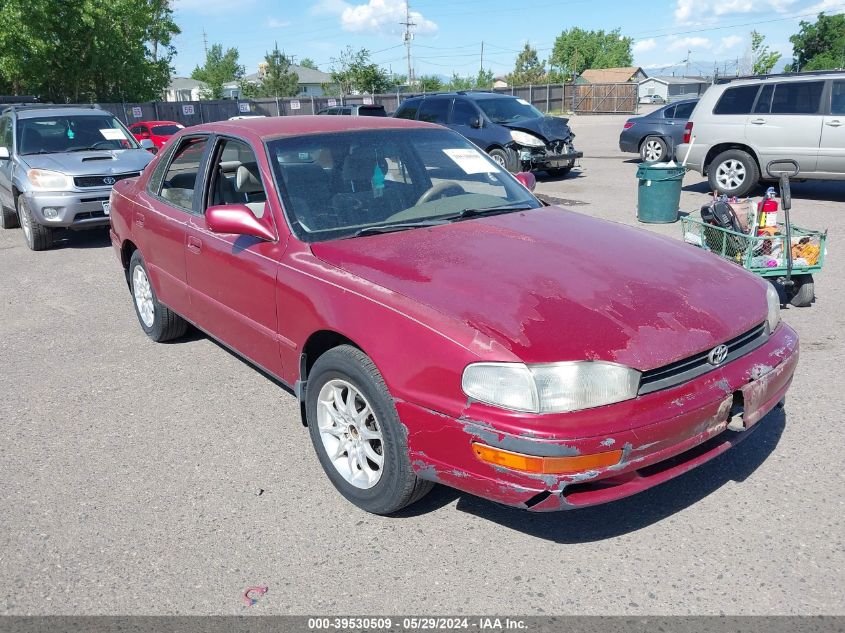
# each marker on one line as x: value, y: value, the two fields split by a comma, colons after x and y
x: 438, y: 323
x: 159, y: 132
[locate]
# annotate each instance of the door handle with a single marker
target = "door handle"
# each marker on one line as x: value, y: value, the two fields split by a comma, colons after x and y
x: 194, y: 245
x: 834, y: 123
x: 758, y: 121
x: 139, y: 219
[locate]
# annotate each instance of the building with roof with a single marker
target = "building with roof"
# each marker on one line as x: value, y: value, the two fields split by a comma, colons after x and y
x: 612, y: 75
x: 310, y: 81
x: 183, y: 89
x: 673, y: 88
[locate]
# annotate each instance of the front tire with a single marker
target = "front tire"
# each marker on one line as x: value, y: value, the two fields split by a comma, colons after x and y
x: 38, y: 237
x: 803, y: 291
x: 159, y: 322
x: 653, y: 150
x: 357, y: 435
x: 733, y: 173
x: 505, y: 158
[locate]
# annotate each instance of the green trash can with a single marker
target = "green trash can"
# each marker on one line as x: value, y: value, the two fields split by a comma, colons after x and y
x: 659, y: 193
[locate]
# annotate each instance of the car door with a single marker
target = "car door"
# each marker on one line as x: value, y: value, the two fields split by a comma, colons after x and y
x: 232, y: 278
x: 832, y: 145
x: 161, y: 217
x: 786, y: 122
x: 466, y: 119
x: 680, y: 116
x: 6, y: 164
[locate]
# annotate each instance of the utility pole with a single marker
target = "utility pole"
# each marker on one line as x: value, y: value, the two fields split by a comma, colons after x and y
x: 687, y: 62
x: 408, y: 36
x: 481, y: 66
x: 205, y: 42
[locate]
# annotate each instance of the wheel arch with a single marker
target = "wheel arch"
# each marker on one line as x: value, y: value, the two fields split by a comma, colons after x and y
x: 714, y: 151
x: 126, y: 249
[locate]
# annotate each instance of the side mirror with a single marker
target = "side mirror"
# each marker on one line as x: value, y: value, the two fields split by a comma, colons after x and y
x: 4, y: 153
x: 237, y: 219
x: 475, y: 122
x: 147, y: 144
x: 144, y: 135
x: 528, y: 180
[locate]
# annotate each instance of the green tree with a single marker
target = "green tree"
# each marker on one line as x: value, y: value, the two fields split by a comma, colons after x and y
x: 279, y: 80
x: 456, y: 82
x: 819, y: 45
x: 484, y: 78
x: 219, y: 68
x: 575, y: 50
x: 429, y: 83
x: 529, y: 69
x: 762, y: 58
x: 97, y: 50
x: 353, y: 72
x: 309, y: 63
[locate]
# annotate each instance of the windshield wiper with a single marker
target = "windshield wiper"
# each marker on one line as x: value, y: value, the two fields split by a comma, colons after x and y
x: 391, y: 228
x: 91, y: 149
x: 506, y: 208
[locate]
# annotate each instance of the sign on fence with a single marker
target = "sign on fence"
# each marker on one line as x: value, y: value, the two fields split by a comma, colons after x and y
x: 368, y: 101
x: 332, y: 103
x: 295, y: 105
x: 188, y: 109
x: 137, y: 112
x: 243, y: 107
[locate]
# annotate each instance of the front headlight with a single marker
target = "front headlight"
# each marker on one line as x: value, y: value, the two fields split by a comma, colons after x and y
x: 773, y: 301
x: 529, y: 140
x: 46, y: 180
x: 552, y: 387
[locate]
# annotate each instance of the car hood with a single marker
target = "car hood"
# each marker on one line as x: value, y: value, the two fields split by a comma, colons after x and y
x: 553, y: 285
x: 91, y: 163
x: 552, y: 128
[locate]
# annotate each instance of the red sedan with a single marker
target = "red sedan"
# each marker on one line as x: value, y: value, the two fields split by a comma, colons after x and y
x: 159, y: 132
x: 438, y: 323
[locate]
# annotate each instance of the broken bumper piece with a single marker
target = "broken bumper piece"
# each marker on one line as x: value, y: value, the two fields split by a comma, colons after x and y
x: 625, y: 448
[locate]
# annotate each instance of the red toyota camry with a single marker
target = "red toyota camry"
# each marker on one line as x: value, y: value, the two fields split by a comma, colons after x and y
x: 438, y: 323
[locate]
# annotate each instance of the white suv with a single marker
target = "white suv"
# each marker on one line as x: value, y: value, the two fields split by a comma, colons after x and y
x: 739, y: 126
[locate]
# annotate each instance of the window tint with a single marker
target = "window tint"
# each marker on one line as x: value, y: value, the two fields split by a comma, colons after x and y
x: 736, y: 100
x: 373, y: 110
x: 669, y: 113
x: 837, y: 98
x: 764, y: 101
x: 6, y: 133
x: 181, y: 176
x: 166, y: 130
x: 236, y: 178
x: 684, y: 110
x: 408, y: 110
x: 799, y: 97
x: 434, y: 110
x: 463, y: 113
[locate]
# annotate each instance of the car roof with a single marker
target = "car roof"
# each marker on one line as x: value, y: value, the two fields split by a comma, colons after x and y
x: 155, y: 123
x: 779, y: 78
x: 282, y: 126
x: 469, y: 94
x: 36, y: 113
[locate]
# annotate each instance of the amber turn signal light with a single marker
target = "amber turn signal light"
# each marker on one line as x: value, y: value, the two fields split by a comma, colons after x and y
x: 545, y: 465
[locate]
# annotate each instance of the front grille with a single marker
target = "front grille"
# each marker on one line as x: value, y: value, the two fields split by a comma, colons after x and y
x: 683, y: 370
x: 100, y: 181
x: 89, y: 215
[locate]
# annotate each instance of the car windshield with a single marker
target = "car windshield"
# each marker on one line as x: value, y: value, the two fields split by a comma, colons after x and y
x: 508, y: 110
x: 345, y: 184
x: 166, y: 130
x: 48, y: 135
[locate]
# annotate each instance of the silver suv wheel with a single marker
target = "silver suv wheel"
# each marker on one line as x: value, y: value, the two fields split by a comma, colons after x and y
x: 731, y: 174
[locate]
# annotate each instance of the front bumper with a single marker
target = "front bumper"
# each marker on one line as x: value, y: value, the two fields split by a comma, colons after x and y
x: 662, y: 434
x: 72, y: 209
x: 540, y: 158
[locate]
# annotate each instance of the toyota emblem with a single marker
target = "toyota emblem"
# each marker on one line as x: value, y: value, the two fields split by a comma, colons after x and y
x: 717, y: 355
x: 109, y: 180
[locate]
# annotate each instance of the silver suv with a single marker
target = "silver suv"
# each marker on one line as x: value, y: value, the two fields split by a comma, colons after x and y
x: 738, y: 127
x: 58, y: 165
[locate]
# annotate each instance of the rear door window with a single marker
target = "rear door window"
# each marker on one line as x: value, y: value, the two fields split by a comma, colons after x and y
x: 669, y: 113
x: 764, y: 101
x: 435, y: 110
x: 837, y: 98
x: 738, y: 100
x: 684, y: 110
x: 408, y: 110
x: 797, y: 97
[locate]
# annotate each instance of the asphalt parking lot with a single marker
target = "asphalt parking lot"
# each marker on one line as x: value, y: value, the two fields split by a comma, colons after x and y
x: 131, y: 470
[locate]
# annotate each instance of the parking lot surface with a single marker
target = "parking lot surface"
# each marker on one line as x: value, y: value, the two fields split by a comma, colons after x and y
x: 132, y: 471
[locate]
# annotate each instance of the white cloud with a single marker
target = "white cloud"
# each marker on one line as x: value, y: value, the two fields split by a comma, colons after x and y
x: 329, y: 7
x: 688, y: 43
x: 644, y: 45
x: 275, y: 23
x: 381, y: 16
x: 696, y: 12
x: 828, y: 6
x: 729, y: 41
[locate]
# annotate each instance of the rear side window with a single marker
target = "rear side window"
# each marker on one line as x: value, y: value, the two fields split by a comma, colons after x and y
x: 684, y: 110
x: 764, y: 101
x: 737, y: 100
x: 837, y: 98
x: 669, y: 113
x: 798, y: 97
x: 372, y: 111
x: 408, y: 110
x: 166, y: 130
x: 181, y: 175
x: 434, y: 110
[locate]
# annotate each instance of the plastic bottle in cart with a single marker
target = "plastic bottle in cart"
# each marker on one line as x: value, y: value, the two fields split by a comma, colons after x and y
x: 767, y: 210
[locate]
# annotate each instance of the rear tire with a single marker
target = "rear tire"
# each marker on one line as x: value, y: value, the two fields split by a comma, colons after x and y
x: 38, y: 237
x: 158, y: 321
x: 378, y: 488
x: 653, y: 150
x: 505, y: 158
x: 733, y: 173
x: 8, y: 218
x: 803, y: 291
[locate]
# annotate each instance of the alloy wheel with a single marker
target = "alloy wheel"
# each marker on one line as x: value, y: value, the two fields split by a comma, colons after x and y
x: 23, y: 218
x: 350, y: 433
x: 730, y: 174
x: 653, y: 151
x: 143, y: 293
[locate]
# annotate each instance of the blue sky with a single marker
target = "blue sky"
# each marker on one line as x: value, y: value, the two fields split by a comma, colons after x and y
x: 448, y: 34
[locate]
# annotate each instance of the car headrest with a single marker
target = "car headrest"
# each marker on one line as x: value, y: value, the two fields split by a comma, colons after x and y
x: 247, y: 179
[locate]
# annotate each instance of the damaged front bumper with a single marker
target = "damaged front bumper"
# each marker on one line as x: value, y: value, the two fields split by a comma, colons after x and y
x: 661, y: 435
